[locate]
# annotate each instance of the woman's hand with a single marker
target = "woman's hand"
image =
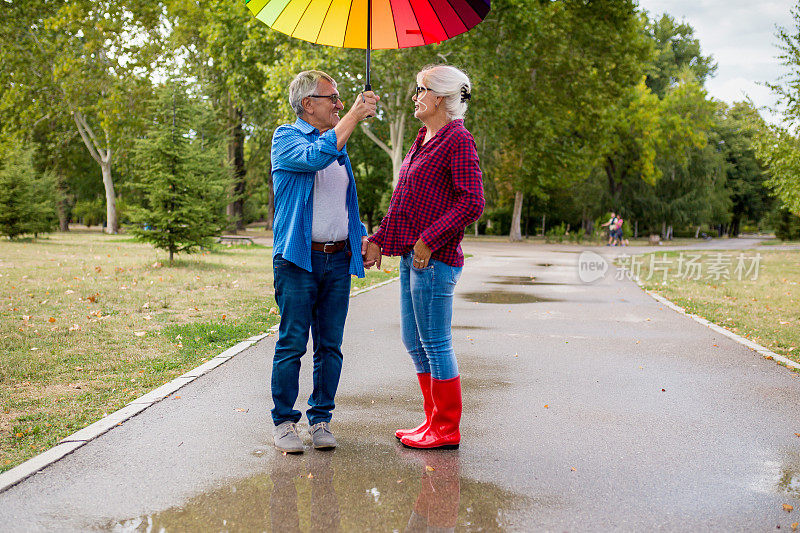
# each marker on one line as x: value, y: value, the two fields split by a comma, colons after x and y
x: 422, y: 254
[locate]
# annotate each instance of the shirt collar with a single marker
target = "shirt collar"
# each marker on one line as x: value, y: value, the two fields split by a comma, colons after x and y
x: 423, y: 130
x: 304, y: 126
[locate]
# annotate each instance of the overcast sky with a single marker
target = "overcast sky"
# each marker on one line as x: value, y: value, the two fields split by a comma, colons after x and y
x: 740, y: 34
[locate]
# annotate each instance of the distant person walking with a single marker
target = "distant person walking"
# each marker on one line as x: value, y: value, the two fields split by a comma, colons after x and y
x: 316, y: 228
x: 611, y: 225
x: 439, y: 193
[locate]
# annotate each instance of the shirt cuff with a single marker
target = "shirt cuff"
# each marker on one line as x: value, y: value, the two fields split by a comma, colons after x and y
x: 328, y: 145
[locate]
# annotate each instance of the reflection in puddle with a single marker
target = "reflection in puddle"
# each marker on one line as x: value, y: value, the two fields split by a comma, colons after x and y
x: 523, y: 280
x: 354, y: 488
x: 504, y: 297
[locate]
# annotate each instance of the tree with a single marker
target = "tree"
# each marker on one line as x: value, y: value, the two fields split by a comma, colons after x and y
x: 778, y: 146
x: 545, y: 72
x: 26, y: 206
x: 180, y: 175
x: 87, y: 58
x: 750, y: 198
x: 676, y: 52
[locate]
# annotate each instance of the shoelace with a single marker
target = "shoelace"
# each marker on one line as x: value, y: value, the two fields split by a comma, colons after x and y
x: 323, y: 426
x: 289, y: 429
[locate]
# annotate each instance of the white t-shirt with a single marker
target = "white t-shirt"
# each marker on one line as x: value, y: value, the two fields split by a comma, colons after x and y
x: 330, y: 222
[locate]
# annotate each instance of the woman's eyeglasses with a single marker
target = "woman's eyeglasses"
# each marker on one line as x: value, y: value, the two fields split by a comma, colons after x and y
x: 418, y: 90
x: 334, y: 98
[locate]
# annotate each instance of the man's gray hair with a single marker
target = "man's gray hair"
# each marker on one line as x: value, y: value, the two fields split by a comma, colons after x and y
x: 303, y: 85
x: 450, y: 82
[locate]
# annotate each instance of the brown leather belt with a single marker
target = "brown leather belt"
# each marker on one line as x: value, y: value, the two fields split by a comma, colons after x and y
x: 329, y: 247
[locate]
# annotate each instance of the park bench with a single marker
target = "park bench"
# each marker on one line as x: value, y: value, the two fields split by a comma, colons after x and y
x: 234, y: 239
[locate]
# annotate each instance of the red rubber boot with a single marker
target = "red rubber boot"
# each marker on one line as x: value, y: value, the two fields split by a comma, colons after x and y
x: 427, y: 406
x: 443, y: 431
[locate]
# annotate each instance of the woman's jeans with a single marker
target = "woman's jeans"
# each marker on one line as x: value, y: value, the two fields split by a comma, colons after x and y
x: 426, y: 307
x: 317, y: 300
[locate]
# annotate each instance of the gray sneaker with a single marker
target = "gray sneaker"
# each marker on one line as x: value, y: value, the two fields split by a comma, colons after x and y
x: 321, y: 436
x: 287, y: 439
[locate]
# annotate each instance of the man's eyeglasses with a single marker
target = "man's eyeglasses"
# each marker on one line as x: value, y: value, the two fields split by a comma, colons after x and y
x: 334, y: 98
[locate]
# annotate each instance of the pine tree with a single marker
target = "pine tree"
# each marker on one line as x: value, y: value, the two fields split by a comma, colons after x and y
x: 181, y: 175
x: 26, y: 200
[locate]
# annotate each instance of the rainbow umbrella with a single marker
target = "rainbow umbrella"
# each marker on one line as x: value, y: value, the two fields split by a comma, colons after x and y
x: 370, y: 24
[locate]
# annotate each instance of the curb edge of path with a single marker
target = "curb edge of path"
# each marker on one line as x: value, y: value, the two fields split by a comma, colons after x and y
x: 69, y: 444
x: 761, y: 350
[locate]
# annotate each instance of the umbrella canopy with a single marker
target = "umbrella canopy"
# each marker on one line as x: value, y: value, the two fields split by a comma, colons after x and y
x: 393, y: 23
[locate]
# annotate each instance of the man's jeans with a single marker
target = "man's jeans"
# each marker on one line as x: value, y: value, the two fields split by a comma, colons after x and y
x: 426, y: 308
x: 317, y: 300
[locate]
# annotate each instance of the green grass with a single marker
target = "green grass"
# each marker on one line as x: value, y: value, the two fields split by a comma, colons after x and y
x: 777, y: 242
x: 89, y: 322
x: 765, y: 309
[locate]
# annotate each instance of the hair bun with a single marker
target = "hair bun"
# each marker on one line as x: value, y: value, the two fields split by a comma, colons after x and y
x: 465, y: 94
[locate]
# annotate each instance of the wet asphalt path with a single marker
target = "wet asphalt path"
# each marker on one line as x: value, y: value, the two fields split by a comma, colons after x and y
x: 587, y: 408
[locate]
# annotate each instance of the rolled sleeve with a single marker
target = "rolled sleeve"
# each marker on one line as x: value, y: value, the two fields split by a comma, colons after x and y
x: 468, y: 186
x: 292, y: 151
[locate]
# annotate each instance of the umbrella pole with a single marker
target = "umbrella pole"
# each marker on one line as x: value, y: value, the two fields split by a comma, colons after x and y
x: 367, y: 85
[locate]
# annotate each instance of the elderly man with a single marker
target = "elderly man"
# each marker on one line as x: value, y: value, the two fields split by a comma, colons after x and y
x: 316, y: 232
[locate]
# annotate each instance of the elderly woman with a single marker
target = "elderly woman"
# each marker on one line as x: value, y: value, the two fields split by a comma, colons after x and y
x: 439, y: 193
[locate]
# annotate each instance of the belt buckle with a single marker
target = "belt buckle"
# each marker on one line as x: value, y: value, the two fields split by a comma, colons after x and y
x: 325, y: 247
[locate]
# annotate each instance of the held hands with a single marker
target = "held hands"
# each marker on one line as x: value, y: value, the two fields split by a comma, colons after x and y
x: 422, y: 254
x: 370, y: 253
x: 365, y: 106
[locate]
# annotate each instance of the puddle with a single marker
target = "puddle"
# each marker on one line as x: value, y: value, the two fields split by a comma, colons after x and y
x: 354, y: 488
x: 789, y: 476
x: 522, y: 280
x: 504, y: 297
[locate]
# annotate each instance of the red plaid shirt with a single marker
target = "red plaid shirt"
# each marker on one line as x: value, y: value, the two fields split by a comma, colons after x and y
x: 440, y: 192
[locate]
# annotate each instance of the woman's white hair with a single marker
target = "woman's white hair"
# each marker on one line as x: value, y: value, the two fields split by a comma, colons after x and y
x: 451, y: 83
x: 303, y: 85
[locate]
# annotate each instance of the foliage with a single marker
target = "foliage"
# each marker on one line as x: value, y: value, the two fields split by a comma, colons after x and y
x: 181, y: 176
x: 26, y: 201
x: 778, y: 146
x: 676, y: 53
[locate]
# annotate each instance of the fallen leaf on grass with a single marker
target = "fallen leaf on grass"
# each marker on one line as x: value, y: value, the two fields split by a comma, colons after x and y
x: 176, y: 397
x: 794, y: 526
x: 573, y: 469
x: 310, y: 475
x: 74, y: 327
x: 26, y: 317
x: 429, y: 468
x: 240, y: 410
x: 51, y: 320
x: 273, y: 310
x: 788, y: 508
x: 140, y: 333
x: 797, y: 434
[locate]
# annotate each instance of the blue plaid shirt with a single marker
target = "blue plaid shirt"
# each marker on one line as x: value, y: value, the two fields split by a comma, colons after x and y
x: 298, y: 152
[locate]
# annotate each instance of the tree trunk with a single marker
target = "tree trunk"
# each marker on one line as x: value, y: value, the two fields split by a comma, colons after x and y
x: 112, y: 225
x: 270, y: 204
x: 515, y: 235
x: 236, y: 160
x: 62, y: 202
x: 663, y: 230
x: 103, y: 158
x: 396, y: 116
